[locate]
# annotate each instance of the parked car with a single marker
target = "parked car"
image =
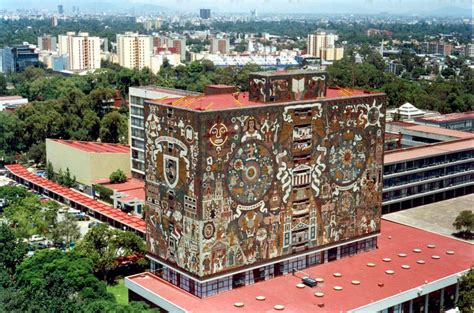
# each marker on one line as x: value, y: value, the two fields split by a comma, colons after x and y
x: 82, y: 217
x: 94, y: 224
x: 37, y: 238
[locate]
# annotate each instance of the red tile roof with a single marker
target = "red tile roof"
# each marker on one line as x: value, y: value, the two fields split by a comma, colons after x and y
x: 439, y: 131
x: 394, y: 239
x: 95, y: 147
x: 94, y: 205
x: 428, y: 150
x: 452, y: 117
x: 238, y: 100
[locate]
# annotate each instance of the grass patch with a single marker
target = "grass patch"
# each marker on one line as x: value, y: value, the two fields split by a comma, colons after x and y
x: 119, y: 291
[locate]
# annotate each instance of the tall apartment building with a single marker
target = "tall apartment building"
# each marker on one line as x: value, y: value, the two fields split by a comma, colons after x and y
x: 134, y: 50
x: 178, y: 44
x: 82, y: 50
x: 244, y: 187
x: 60, y: 9
x: 47, y: 42
x: 439, y: 47
x: 323, y: 45
x: 17, y: 59
x: 220, y: 45
x: 205, y: 14
x: 138, y: 96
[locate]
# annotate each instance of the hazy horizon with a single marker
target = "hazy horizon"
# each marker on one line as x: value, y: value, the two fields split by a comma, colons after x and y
x: 263, y: 6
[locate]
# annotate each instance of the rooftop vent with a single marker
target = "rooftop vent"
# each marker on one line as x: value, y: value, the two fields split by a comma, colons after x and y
x: 219, y: 89
x: 310, y: 282
x: 305, y: 280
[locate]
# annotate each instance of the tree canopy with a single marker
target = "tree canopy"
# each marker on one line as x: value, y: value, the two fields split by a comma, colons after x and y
x: 118, y: 177
x: 104, y: 245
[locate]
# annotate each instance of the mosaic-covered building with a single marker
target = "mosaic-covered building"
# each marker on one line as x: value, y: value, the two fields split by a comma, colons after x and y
x: 242, y: 187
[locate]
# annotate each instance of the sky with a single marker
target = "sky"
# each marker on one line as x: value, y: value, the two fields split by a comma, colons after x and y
x: 263, y: 6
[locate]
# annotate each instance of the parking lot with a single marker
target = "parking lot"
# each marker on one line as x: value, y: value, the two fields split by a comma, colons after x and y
x: 83, y: 225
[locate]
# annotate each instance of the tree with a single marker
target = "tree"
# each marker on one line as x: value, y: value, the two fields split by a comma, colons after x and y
x: 50, y: 171
x: 118, y: 177
x: 113, y: 128
x: 3, y: 85
x: 466, y: 292
x: 65, y: 231
x: 54, y: 281
x: 464, y: 222
x: 12, y: 249
x: 37, y: 153
x: 29, y: 216
x: 100, y: 99
x: 69, y: 181
x: 13, y: 193
x: 104, y: 245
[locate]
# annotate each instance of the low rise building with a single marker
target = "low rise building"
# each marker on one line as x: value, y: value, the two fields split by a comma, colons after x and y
x: 458, y: 121
x: 11, y: 102
x: 426, y: 174
x: 418, y: 135
x: 87, y: 161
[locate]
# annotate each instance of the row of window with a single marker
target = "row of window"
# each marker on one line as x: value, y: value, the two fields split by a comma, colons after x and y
x: 137, y: 122
x: 140, y: 133
x: 429, y: 174
x: 138, y: 155
x: 136, y: 111
x: 138, y: 143
x: 427, y: 162
x: 138, y: 166
x: 265, y: 272
x: 422, y: 188
x: 136, y: 100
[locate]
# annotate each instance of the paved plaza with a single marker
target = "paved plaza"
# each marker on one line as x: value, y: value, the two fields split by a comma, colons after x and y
x: 436, y: 217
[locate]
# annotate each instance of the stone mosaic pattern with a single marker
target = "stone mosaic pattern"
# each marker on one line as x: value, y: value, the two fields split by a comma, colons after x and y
x: 227, y: 189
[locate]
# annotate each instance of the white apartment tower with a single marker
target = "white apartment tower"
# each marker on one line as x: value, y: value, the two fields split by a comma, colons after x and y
x: 82, y: 50
x: 134, y: 50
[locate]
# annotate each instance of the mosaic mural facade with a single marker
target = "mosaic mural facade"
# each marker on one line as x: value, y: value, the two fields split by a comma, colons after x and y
x: 229, y: 189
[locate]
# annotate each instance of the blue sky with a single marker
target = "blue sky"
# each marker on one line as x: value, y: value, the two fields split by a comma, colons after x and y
x: 264, y: 6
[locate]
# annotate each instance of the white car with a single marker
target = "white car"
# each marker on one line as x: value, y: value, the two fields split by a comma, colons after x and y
x: 36, y: 238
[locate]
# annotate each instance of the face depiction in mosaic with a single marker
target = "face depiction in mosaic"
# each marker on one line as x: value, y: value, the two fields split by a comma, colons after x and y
x: 233, y: 188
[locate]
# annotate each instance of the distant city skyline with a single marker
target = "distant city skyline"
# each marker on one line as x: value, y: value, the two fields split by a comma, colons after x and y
x: 421, y: 7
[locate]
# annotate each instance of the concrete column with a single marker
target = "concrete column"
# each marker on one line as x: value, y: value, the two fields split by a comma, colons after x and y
x: 456, y: 297
x: 411, y: 306
x: 426, y: 303
x: 441, y: 302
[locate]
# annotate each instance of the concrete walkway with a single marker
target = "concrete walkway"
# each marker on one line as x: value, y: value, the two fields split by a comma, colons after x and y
x: 436, y: 217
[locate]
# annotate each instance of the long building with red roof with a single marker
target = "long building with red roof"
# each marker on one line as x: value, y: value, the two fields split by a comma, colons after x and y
x: 77, y: 200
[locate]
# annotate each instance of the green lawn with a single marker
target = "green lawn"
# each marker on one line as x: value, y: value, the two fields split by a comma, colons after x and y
x: 119, y: 291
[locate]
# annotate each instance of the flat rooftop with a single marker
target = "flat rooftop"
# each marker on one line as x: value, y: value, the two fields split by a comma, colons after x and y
x: 412, y: 153
x: 375, y: 284
x: 94, y: 147
x: 241, y: 100
x: 174, y: 91
x: 452, y: 117
x: 132, y: 189
x: 431, y: 129
x: 435, y: 217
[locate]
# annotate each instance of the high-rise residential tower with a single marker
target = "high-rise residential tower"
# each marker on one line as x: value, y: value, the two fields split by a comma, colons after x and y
x: 323, y: 45
x: 134, y: 50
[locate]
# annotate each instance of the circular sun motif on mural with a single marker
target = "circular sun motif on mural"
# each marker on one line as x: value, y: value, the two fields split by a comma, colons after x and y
x: 347, y: 157
x: 208, y: 230
x: 250, y: 173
